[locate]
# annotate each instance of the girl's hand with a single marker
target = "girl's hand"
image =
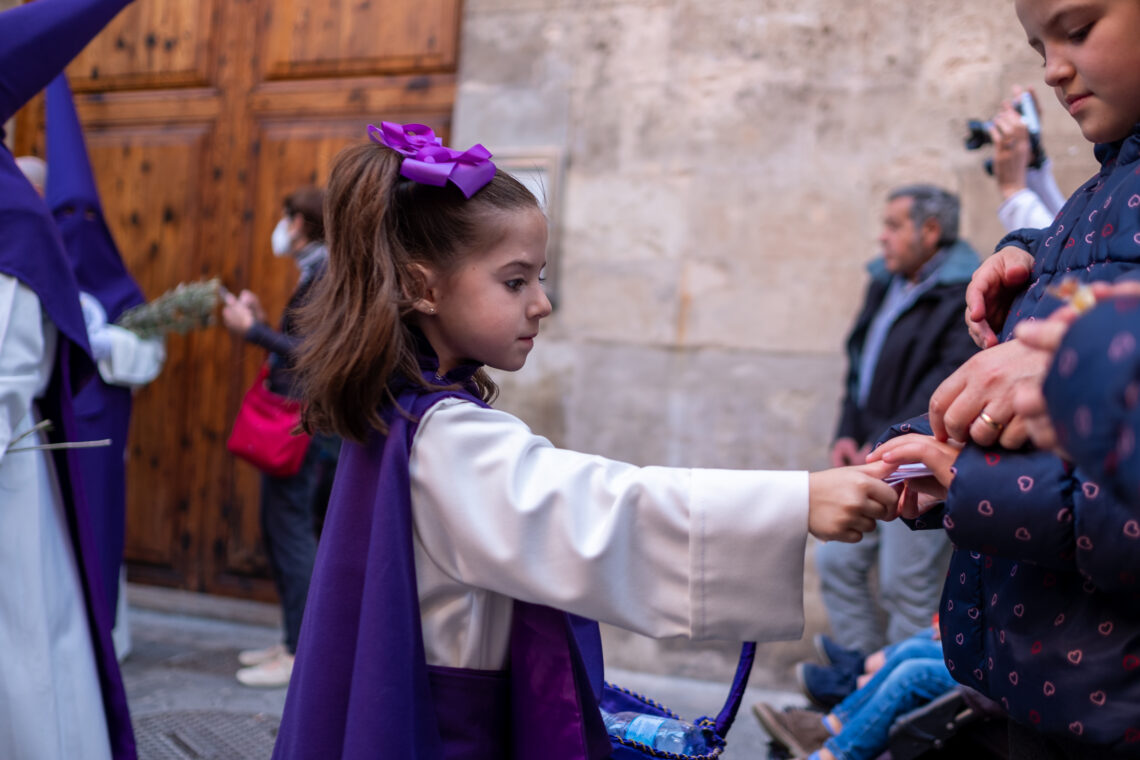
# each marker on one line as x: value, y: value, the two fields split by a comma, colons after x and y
x: 991, y: 291
x: 845, y: 502
x: 937, y: 455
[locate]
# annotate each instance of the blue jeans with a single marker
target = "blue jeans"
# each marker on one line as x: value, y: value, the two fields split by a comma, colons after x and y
x: 913, y: 675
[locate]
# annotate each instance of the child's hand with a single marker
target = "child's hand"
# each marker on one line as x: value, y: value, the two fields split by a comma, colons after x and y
x: 920, y: 493
x: 991, y: 290
x: 845, y: 502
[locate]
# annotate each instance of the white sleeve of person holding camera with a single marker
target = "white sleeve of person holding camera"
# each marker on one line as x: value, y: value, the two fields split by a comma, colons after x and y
x: 1030, y: 196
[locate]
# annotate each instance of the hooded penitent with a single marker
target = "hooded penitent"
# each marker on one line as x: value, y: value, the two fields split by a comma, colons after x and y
x: 101, y: 410
x: 37, y: 40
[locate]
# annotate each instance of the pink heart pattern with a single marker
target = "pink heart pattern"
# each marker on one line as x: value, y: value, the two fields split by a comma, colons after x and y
x: 1077, y: 560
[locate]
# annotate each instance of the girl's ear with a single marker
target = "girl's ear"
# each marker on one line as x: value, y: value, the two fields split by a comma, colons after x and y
x: 426, y: 285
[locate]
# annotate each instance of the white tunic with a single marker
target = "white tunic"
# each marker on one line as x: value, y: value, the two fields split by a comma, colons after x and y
x: 500, y: 513
x: 50, y: 703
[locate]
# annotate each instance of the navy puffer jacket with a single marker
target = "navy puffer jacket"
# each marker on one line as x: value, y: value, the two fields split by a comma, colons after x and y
x: 1041, y: 607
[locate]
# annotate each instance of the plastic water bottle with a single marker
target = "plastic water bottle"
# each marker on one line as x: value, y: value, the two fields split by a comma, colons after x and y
x: 661, y: 733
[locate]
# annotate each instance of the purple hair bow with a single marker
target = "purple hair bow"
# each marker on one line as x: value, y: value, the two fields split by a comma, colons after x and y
x: 428, y: 161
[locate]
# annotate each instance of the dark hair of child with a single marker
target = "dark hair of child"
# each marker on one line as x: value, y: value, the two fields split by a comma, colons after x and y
x: 383, y: 232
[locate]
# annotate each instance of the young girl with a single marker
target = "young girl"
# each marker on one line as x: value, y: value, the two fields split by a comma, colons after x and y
x: 1040, y: 609
x: 455, y: 537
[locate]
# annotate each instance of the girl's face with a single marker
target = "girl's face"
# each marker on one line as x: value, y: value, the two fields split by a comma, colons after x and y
x: 1092, y: 60
x: 489, y: 308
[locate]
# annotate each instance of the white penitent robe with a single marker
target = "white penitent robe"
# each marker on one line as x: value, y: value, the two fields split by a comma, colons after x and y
x: 50, y: 703
x: 499, y: 513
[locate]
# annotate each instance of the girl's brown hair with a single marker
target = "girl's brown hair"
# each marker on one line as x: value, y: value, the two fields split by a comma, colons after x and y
x: 381, y: 229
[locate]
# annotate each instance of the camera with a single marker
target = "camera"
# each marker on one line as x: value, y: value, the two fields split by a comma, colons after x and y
x: 979, y: 132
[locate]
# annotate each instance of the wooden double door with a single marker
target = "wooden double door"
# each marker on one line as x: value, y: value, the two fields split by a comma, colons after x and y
x: 200, y: 116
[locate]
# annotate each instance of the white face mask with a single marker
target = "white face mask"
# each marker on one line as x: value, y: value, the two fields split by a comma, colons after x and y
x: 281, y: 240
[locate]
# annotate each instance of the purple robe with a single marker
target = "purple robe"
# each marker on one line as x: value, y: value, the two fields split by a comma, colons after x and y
x: 37, y: 40
x: 361, y: 687
x: 101, y: 410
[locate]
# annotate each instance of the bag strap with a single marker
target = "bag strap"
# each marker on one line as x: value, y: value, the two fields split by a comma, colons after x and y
x: 727, y: 714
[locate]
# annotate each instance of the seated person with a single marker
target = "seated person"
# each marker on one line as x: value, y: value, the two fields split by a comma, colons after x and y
x: 846, y: 669
x: 858, y: 728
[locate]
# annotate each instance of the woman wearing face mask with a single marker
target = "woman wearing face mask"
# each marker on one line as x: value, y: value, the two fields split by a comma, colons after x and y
x: 292, y: 508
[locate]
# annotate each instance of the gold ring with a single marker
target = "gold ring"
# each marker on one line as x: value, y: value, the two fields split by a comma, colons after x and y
x: 991, y: 421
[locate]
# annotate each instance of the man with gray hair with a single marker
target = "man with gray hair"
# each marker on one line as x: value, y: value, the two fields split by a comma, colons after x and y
x: 908, y: 337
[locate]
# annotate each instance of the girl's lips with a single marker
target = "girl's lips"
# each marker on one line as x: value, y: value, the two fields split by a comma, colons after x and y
x: 1074, y: 102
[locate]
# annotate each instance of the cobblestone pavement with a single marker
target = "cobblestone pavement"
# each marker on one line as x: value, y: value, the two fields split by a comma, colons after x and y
x: 186, y: 704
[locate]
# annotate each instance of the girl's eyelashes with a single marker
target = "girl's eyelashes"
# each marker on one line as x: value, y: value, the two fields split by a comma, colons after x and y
x: 1081, y: 34
x: 515, y: 284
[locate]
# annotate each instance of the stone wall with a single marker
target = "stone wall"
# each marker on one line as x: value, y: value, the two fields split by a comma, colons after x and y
x: 727, y: 162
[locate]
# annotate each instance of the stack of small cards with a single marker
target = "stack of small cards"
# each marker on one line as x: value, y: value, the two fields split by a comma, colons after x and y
x: 907, y: 472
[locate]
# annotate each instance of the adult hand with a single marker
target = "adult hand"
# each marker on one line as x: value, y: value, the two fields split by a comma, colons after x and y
x: 250, y: 300
x: 1011, y: 150
x: 1103, y: 290
x: 236, y: 315
x: 845, y: 451
x: 976, y: 401
x: 845, y: 502
x: 1028, y: 400
x: 991, y: 291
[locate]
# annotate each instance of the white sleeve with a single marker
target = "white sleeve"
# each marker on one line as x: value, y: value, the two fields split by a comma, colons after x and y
x: 1044, y: 184
x: 1024, y: 209
x: 131, y: 361
x: 661, y: 551
x: 21, y: 354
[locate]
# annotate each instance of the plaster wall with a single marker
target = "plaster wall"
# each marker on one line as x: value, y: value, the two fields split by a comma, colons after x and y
x: 726, y: 166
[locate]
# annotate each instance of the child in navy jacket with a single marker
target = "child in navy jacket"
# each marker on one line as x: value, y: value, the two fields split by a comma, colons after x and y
x: 1041, y: 608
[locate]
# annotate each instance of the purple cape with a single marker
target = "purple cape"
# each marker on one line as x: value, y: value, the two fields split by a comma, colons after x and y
x: 361, y: 687
x: 37, y: 40
x: 101, y: 410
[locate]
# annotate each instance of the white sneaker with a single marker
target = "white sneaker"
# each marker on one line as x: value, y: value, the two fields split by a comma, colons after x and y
x: 271, y: 674
x: 257, y: 656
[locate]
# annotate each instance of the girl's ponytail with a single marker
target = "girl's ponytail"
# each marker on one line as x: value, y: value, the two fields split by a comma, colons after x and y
x: 354, y: 333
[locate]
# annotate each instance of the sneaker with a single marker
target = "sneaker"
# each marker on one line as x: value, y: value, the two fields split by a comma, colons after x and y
x: 824, y: 686
x: 841, y: 657
x: 271, y: 674
x: 257, y: 656
x: 801, y: 732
